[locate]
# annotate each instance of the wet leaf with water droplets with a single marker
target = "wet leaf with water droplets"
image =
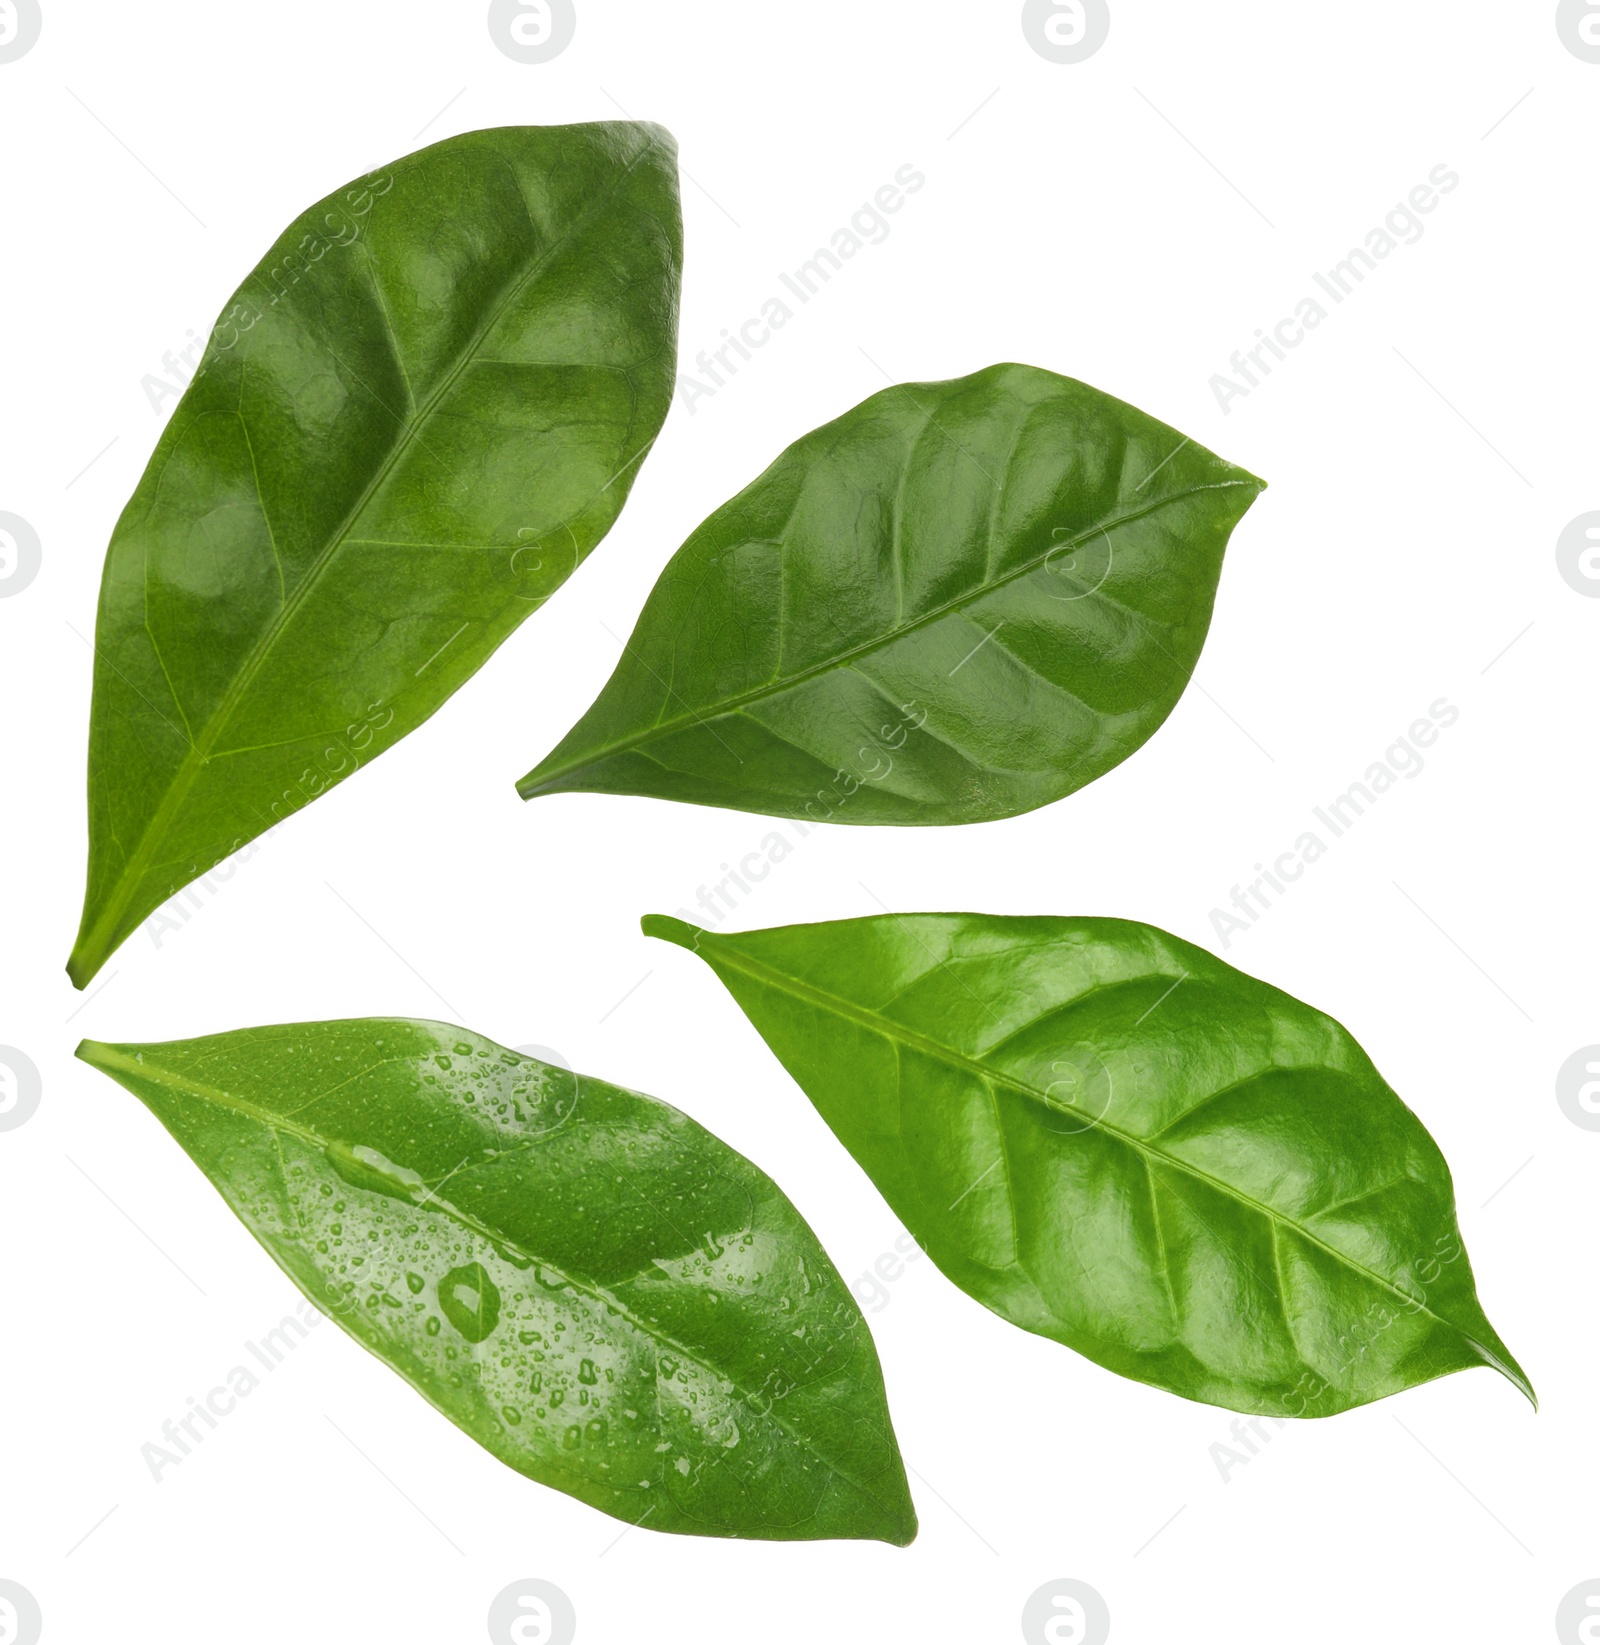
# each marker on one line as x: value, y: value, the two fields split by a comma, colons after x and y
x: 588, y: 1283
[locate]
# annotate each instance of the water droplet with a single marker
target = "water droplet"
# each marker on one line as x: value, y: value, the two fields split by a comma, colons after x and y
x: 572, y: 1438
x: 470, y: 1300
x: 415, y: 1283
x: 364, y: 1167
x: 587, y: 1373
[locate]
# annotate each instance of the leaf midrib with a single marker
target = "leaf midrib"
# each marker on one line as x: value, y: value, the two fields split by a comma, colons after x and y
x: 109, y: 1058
x: 910, y: 1037
x: 198, y: 755
x: 547, y: 773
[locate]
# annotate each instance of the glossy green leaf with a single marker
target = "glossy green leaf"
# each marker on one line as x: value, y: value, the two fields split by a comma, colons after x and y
x: 412, y: 422
x: 594, y: 1288
x: 1113, y: 1139
x: 960, y: 601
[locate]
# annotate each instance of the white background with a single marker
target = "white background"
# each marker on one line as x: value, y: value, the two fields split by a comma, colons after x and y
x: 1067, y: 223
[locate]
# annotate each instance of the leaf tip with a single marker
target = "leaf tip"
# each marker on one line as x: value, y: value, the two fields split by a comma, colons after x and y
x: 1243, y: 479
x: 93, y: 1053
x: 117, y: 1062
x: 669, y: 929
x: 885, y: 1513
x: 1497, y: 1357
x: 1518, y: 1378
x: 82, y: 965
x: 538, y: 782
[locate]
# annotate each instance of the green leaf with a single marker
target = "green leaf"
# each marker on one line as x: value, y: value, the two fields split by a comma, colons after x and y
x: 412, y: 422
x: 960, y: 601
x: 594, y: 1288
x: 1113, y: 1139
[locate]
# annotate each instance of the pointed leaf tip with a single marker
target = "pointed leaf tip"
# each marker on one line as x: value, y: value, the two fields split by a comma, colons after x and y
x: 82, y: 964
x: 669, y: 929
x: 1506, y: 1365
